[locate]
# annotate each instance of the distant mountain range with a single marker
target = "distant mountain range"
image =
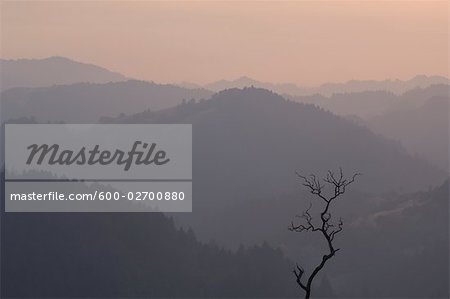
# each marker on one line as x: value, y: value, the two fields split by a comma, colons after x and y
x: 423, y: 130
x: 88, y: 102
x: 417, y: 118
x: 63, y: 94
x: 63, y: 71
x: 368, y: 104
x: 52, y: 71
x: 327, y: 89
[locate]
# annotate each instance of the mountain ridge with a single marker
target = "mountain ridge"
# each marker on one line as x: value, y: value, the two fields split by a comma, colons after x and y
x: 395, y: 86
x: 53, y: 70
x: 253, y: 113
x: 87, y: 102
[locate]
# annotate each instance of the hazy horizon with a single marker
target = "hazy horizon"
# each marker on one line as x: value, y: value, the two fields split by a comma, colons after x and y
x: 231, y: 79
x: 306, y: 43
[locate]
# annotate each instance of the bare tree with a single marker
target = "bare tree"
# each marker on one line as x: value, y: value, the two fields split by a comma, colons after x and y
x: 326, y: 227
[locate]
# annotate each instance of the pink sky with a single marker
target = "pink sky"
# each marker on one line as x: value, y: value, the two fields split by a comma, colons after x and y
x: 307, y: 42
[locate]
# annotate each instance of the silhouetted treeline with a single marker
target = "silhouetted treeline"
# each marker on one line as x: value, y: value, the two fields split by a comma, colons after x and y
x: 129, y: 255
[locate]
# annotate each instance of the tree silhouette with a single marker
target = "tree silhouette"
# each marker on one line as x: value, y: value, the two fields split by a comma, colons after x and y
x: 325, y: 226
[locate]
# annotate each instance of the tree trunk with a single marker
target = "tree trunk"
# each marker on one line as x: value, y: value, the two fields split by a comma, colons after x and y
x: 308, y: 294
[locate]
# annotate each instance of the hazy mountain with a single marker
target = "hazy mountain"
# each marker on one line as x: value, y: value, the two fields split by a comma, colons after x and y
x: 258, y: 133
x: 189, y: 85
x: 328, y: 89
x: 87, y: 102
x: 403, y: 248
x: 369, y: 104
x: 394, y: 86
x: 282, y: 88
x: 63, y: 71
x: 419, y: 96
x: 247, y: 145
x: 364, y: 104
x: 417, y: 118
x: 52, y: 71
x: 423, y: 131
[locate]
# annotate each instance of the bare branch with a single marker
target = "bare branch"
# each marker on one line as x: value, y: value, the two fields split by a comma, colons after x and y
x: 304, y: 227
x: 329, y: 230
x: 298, y: 274
x: 337, y: 230
x: 313, y: 184
x: 339, y: 182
